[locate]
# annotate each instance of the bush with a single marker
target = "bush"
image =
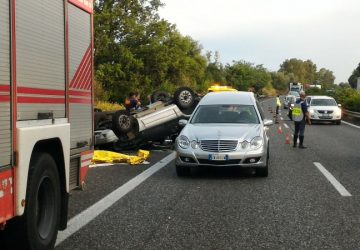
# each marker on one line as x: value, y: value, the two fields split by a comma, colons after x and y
x: 353, y: 103
x: 268, y: 90
x: 107, y: 106
x: 349, y: 98
x: 315, y: 91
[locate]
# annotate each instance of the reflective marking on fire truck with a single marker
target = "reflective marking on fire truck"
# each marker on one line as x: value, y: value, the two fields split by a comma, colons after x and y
x: 4, y: 185
x: 86, y: 158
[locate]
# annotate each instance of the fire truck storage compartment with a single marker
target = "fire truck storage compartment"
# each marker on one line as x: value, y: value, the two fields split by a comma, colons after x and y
x: 80, y: 75
x: 5, y: 114
x: 40, y: 58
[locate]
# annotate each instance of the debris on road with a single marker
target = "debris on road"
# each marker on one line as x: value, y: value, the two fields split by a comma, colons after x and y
x: 102, y: 156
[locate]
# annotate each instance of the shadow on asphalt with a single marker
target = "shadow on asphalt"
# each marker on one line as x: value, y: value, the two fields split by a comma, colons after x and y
x: 222, y: 173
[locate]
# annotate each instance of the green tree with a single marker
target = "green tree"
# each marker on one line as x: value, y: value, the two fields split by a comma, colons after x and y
x: 136, y: 50
x: 325, y: 77
x: 353, y: 78
x: 280, y: 81
x: 302, y: 71
x: 244, y: 76
x: 214, y: 70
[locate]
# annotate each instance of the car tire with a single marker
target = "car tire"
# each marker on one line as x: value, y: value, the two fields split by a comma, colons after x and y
x: 160, y: 96
x: 123, y: 122
x: 338, y: 122
x: 264, y: 172
x: 183, y: 171
x: 184, y: 98
x: 38, y: 227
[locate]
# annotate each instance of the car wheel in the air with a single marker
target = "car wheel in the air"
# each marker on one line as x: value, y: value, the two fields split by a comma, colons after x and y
x: 184, y: 97
x: 123, y: 123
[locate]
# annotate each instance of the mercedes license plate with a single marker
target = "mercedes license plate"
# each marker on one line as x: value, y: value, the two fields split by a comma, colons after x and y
x: 217, y: 157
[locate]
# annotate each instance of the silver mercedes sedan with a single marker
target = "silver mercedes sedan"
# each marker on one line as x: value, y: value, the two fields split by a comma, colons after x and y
x: 225, y: 129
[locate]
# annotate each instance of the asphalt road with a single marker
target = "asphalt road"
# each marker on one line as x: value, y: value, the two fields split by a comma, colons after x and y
x: 295, y: 207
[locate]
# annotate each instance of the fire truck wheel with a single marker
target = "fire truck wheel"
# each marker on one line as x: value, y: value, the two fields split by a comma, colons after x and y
x: 40, y: 223
x: 123, y: 122
x: 184, y: 98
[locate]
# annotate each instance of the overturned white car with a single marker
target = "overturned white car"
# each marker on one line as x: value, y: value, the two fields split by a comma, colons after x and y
x: 156, y: 122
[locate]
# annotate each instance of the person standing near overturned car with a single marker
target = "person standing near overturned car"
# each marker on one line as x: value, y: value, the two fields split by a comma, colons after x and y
x: 300, y: 116
x: 132, y: 102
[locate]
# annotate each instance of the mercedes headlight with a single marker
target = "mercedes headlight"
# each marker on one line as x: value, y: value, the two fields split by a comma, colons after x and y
x: 183, y: 142
x: 194, y: 144
x: 256, y: 142
x: 244, y: 144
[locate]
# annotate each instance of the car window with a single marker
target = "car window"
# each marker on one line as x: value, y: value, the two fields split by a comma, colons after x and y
x: 294, y: 93
x: 323, y: 102
x: 225, y: 114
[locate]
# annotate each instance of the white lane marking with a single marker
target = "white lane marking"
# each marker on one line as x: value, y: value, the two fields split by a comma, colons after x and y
x: 340, y: 188
x: 80, y: 220
x: 286, y: 126
x: 350, y: 124
x: 281, y: 118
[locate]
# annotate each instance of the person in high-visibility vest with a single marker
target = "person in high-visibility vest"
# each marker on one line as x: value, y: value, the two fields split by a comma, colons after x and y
x: 300, y: 116
x: 278, y: 104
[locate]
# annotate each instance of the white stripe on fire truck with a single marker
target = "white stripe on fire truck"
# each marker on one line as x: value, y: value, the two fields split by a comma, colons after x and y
x: 85, y: 163
x: 87, y: 156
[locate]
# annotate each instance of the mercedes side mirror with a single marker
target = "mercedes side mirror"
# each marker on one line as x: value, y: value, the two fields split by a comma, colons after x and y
x: 182, y: 122
x: 268, y: 122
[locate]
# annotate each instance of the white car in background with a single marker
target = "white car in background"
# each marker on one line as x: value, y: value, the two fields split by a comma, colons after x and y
x: 288, y: 100
x: 324, y: 109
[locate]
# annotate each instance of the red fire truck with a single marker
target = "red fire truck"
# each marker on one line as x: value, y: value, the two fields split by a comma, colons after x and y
x: 46, y: 115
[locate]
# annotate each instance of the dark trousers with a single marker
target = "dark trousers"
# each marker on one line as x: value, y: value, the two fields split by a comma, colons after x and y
x: 299, y: 132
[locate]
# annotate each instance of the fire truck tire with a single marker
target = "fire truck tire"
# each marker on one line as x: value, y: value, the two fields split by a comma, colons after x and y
x: 40, y: 222
x: 184, y: 98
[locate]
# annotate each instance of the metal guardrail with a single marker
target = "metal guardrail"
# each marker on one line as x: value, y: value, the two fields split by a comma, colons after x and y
x: 351, y: 113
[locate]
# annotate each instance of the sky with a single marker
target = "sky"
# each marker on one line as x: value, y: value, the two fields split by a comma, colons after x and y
x: 270, y: 31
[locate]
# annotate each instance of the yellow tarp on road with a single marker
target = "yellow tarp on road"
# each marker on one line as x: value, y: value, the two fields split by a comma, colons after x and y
x: 102, y: 156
